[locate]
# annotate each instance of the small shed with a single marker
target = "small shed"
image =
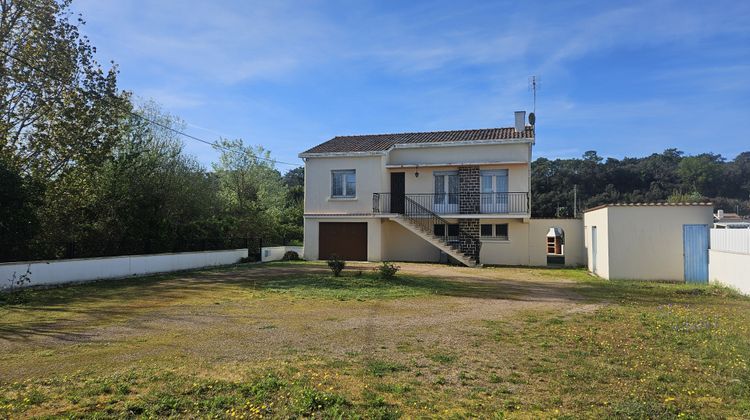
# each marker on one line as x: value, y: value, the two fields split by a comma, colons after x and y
x: 649, y: 241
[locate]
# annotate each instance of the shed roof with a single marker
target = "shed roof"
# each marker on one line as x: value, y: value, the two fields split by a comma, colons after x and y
x: 648, y: 205
x: 381, y: 142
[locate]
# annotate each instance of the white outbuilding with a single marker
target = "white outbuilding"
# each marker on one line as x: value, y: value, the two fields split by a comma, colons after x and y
x: 649, y: 241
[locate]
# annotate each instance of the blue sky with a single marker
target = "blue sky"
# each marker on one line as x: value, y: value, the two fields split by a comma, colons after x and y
x: 623, y: 78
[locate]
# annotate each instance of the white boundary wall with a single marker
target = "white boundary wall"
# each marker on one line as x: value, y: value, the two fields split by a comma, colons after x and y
x: 729, y: 258
x: 275, y: 253
x: 85, y: 269
x: 730, y: 269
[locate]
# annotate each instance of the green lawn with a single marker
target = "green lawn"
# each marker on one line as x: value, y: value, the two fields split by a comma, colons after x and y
x: 290, y: 340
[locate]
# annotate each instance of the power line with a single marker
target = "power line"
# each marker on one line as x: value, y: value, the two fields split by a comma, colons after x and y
x: 144, y: 118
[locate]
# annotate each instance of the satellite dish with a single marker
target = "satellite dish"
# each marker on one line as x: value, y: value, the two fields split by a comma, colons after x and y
x: 532, y: 118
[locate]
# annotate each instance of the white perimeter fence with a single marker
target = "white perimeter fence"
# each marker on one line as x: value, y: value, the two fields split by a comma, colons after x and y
x: 731, y: 240
x: 85, y: 269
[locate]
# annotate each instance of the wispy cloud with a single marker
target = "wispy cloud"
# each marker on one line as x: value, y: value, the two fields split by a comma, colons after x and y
x: 289, y: 73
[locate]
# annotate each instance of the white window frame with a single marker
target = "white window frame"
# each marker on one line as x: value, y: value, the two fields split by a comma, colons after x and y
x: 445, y: 201
x: 345, y: 193
x: 494, y: 235
x: 496, y: 201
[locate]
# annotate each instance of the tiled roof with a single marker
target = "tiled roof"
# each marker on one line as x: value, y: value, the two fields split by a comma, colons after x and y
x: 648, y: 205
x: 380, y: 142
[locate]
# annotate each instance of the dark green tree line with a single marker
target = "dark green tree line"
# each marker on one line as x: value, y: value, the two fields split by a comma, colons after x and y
x: 667, y: 176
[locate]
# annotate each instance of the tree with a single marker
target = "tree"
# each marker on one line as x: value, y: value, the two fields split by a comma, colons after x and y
x: 250, y: 188
x: 736, y: 180
x: 18, y: 222
x: 59, y: 108
x: 149, y: 196
x: 701, y: 173
x: 293, y: 217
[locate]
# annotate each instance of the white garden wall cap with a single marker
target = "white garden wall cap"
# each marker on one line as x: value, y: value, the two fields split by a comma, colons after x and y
x: 358, y: 144
x: 654, y: 204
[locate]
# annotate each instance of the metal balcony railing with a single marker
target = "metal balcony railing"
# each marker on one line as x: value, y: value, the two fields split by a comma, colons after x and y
x: 504, y: 203
x: 449, y: 203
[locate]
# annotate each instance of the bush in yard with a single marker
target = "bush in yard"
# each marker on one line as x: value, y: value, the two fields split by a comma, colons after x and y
x: 290, y: 256
x: 388, y: 270
x: 336, y: 264
x: 16, y: 291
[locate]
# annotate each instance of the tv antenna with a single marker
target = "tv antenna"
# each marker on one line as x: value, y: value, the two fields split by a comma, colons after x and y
x: 534, y: 85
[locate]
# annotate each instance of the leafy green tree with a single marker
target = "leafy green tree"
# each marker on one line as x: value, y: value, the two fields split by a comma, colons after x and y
x: 18, y: 222
x: 701, y: 173
x: 736, y: 180
x: 59, y: 108
x: 250, y: 189
x: 293, y: 217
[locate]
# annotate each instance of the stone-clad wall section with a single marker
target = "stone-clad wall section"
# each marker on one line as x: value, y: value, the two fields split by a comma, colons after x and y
x: 468, y: 184
x: 468, y: 236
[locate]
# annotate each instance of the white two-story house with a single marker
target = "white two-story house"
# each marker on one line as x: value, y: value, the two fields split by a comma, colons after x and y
x: 433, y: 196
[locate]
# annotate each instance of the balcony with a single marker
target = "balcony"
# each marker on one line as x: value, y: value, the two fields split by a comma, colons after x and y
x: 506, y: 203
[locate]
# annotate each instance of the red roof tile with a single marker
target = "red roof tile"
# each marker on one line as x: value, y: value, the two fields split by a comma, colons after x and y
x: 380, y: 142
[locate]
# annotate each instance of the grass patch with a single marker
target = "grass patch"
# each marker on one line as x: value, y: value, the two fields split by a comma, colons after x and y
x: 380, y: 368
x: 172, y: 395
x: 303, y: 344
x: 442, y: 358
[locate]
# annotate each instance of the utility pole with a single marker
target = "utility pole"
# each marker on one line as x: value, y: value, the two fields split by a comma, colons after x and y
x: 575, y: 201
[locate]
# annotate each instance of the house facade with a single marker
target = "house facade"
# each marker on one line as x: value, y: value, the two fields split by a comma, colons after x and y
x: 434, y: 196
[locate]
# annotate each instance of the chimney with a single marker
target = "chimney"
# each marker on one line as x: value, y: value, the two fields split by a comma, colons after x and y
x: 520, y: 121
x: 720, y: 214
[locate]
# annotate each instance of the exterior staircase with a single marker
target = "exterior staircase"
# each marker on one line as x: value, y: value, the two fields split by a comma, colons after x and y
x: 420, y: 221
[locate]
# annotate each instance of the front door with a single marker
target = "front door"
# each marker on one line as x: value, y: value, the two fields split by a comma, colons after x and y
x: 695, y: 250
x: 398, y: 191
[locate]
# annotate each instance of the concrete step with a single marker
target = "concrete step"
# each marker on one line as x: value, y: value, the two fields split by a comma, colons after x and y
x: 439, y: 243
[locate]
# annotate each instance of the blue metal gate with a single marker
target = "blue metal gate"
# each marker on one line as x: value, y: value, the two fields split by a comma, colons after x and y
x: 695, y: 251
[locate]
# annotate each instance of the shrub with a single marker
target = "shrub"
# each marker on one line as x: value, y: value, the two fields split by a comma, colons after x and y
x: 388, y: 270
x: 290, y: 256
x: 336, y: 264
x: 16, y: 291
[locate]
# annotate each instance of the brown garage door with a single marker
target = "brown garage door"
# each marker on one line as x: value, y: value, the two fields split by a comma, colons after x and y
x: 347, y: 240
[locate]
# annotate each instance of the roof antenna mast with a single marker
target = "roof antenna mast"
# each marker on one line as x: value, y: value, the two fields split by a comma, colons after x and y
x: 533, y: 85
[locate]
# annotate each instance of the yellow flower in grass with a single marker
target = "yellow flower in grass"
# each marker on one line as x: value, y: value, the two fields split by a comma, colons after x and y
x: 668, y: 399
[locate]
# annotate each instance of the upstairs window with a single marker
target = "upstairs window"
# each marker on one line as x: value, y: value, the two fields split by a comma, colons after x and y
x: 344, y: 183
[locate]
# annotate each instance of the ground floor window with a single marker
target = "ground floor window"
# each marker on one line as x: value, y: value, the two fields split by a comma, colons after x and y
x: 501, y: 231
x: 449, y: 232
x: 498, y: 231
